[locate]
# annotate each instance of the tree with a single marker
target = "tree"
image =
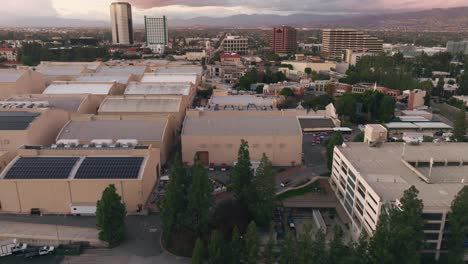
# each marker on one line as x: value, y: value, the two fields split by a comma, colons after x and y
x: 458, y: 227
x: 459, y: 126
x: 252, y: 244
x: 215, y: 248
x: 174, y: 209
x: 241, y: 176
x: 308, y: 71
x: 386, y: 109
x: 319, y: 252
x: 261, y: 208
x: 359, y: 137
x: 304, y: 245
x: 330, y: 89
x: 399, y: 234
x: 200, y: 198
x: 338, y: 252
x: 289, y: 250
x: 269, y: 250
x: 287, y: 92
x: 110, y: 217
x: 259, y: 89
x: 197, y: 255
x: 335, y: 140
x: 236, y: 246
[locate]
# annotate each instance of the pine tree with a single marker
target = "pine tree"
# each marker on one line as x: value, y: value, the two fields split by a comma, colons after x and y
x: 304, y: 245
x: 110, y: 216
x: 252, y: 244
x: 241, y: 176
x: 174, y: 209
x: 335, y: 140
x: 236, y: 246
x: 458, y: 227
x: 459, y: 129
x: 289, y: 252
x: 200, y: 198
x: 338, y: 252
x: 197, y: 255
x: 261, y: 208
x: 215, y: 248
x: 319, y: 251
x: 269, y: 250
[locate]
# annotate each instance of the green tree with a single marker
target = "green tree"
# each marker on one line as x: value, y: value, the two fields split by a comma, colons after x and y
x: 287, y: 92
x: 236, y: 246
x: 110, y: 217
x: 241, y: 176
x: 335, y: 140
x: 459, y: 126
x: 269, y: 250
x: 458, y: 227
x: 386, y: 109
x: 319, y: 251
x: 252, y: 244
x: 399, y: 234
x: 200, y: 198
x: 216, y: 248
x: 308, y: 71
x: 359, y: 137
x: 338, y: 252
x: 197, y: 255
x: 330, y: 89
x: 304, y: 245
x: 289, y: 250
x: 174, y: 208
x: 359, y: 253
x: 262, y: 205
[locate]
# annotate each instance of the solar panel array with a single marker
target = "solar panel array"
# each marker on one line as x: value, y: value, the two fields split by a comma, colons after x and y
x: 109, y: 168
x: 41, y: 168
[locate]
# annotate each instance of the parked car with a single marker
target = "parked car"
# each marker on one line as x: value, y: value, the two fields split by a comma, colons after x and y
x: 45, y: 250
x: 223, y: 167
x: 20, y: 247
x: 211, y: 167
x: 285, y: 182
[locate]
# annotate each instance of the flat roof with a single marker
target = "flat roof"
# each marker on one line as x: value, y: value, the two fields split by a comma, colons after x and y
x: 114, y: 129
x: 141, y: 104
x: 66, y: 103
x: 241, y: 126
x: 123, y: 79
x: 59, y: 71
x: 168, y: 78
x: 16, y: 120
x: 400, y: 125
x: 434, y: 125
x: 10, y: 76
x: 137, y: 70
x: 159, y: 88
x: 79, y: 88
x: 179, y: 70
x: 384, y: 169
x: 314, y: 123
x: 241, y: 99
x: 413, y: 119
x: 414, y: 112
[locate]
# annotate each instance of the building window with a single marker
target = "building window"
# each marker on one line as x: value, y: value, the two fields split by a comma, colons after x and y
x: 432, y: 226
x: 431, y: 236
x: 432, y: 216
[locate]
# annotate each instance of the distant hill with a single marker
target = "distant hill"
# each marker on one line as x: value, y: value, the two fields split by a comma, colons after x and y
x: 452, y: 19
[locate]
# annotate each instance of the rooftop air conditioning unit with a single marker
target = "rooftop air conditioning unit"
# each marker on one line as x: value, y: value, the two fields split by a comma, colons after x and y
x: 128, y: 142
x: 102, y: 141
x: 68, y: 142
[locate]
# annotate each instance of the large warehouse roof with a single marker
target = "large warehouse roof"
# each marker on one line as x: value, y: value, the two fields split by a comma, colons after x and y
x: 114, y: 129
x: 79, y: 88
x: 66, y: 103
x: 158, y: 88
x: 60, y: 71
x: 50, y: 167
x: 16, y: 120
x: 137, y: 70
x: 242, y: 100
x: 141, y: 104
x: 179, y: 70
x: 241, y: 126
x: 9, y: 76
x: 169, y: 78
x: 123, y: 79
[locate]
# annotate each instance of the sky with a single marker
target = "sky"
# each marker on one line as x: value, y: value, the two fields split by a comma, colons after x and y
x: 99, y: 9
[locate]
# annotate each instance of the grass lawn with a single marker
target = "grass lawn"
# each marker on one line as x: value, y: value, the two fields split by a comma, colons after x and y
x: 311, y: 188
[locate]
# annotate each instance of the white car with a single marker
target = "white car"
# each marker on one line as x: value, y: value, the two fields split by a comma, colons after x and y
x: 20, y: 247
x: 45, y: 250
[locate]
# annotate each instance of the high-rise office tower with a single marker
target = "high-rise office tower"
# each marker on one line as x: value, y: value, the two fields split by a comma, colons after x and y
x: 156, y: 33
x: 122, y: 25
x: 336, y: 41
x: 283, y: 39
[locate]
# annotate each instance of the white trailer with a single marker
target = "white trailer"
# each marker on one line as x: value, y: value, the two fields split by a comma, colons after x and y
x: 8, y: 247
x: 82, y: 209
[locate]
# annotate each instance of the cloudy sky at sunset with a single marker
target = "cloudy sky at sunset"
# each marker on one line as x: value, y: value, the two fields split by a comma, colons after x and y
x: 99, y: 9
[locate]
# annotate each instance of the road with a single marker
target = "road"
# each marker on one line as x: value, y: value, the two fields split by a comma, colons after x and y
x: 141, y: 246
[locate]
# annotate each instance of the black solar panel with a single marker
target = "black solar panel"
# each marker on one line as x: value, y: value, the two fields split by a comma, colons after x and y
x: 109, y: 168
x: 16, y: 120
x: 41, y: 168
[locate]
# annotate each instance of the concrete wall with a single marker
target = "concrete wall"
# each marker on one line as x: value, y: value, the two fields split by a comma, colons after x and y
x: 29, y: 82
x: 281, y: 150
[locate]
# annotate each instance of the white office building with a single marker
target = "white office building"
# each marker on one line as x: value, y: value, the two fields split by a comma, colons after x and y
x: 156, y: 33
x: 122, y: 24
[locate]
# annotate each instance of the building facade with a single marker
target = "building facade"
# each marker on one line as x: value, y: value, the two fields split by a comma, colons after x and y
x: 156, y: 33
x: 336, y: 41
x: 283, y: 40
x: 368, y: 178
x: 457, y: 47
x: 235, y: 44
x: 122, y: 23
x: 10, y: 54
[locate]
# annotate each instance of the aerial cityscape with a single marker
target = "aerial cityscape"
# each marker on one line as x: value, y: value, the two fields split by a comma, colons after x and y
x: 290, y: 132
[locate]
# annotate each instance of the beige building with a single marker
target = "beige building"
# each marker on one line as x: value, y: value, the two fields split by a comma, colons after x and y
x: 25, y: 126
x: 122, y: 23
x: 14, y: 82
x: 115, y: 129
x: 300, y: 66
x: 71, y: 103
x: 235, y: 44
x: 336, y: 41
x: 216, y: 137
x: 185, y: 89
x: 65, y: 71
x: 367, y: 178
x: 60, y: 180
x: 144, y: 105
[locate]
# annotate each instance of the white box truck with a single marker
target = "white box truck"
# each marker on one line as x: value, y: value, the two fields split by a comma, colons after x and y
x: 83, y: 209
x: 8, y: 247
